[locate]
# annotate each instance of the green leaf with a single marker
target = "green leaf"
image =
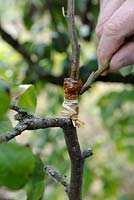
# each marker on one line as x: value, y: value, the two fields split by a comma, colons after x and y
x: 27, y: 99
x: 4, y: 98
x: 5, y: 125
x: 117, y: 116
x: 125, y: 71
x: 28, y: 16
x: 35, y: 187
x: 16, y: 165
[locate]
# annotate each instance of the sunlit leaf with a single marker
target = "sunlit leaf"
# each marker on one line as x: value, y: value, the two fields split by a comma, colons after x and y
x: 125, y: 71
x: 27, y: 98
x: 4, y: 98
x: 5, y: 125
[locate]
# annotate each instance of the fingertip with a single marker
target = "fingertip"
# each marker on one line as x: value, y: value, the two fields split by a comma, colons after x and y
x: 115, y: 63
x: 123, y: 57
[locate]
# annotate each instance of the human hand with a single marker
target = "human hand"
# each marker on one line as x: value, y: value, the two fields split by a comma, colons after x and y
x: 115, y: 26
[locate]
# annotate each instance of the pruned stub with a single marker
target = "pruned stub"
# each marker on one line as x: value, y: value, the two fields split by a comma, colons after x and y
x: 70, y: 104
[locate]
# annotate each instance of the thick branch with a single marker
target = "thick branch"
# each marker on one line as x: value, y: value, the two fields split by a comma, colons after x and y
x: 73, y: 38
x: 77, y: 162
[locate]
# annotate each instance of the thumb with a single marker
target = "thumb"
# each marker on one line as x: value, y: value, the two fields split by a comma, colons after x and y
x: 124, y: 57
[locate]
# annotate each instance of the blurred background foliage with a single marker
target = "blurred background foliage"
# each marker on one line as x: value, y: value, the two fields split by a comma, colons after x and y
x: 35, y: 48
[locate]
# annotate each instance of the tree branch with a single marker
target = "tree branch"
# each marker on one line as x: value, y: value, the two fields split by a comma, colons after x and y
x: 30, y: 122
x: 71, y: 88
x: 74, y: 40
x: 34, y: 123
x: 16, y: 45
x: 77, y: 163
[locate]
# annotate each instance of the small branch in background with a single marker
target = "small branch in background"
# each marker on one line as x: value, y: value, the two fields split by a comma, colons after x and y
x: 116, y: 78
x: 57, y: 176
x: 39, y: 70
x: 93, y: 76
x: 15, y: 44
x: 57, y: 80
x: 74, y: 40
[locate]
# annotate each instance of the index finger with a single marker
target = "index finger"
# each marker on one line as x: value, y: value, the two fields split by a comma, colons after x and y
x: 107, y: 8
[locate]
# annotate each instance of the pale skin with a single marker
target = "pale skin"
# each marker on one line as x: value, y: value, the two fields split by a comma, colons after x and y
x: 115, y: 32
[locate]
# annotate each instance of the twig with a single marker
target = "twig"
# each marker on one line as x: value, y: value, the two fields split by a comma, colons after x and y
x: 87, y: 153
x: 34, y: 123
x: 12, y: 134
x: 74, y: 40
x: 57, y: 176
x: 93, y: 76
